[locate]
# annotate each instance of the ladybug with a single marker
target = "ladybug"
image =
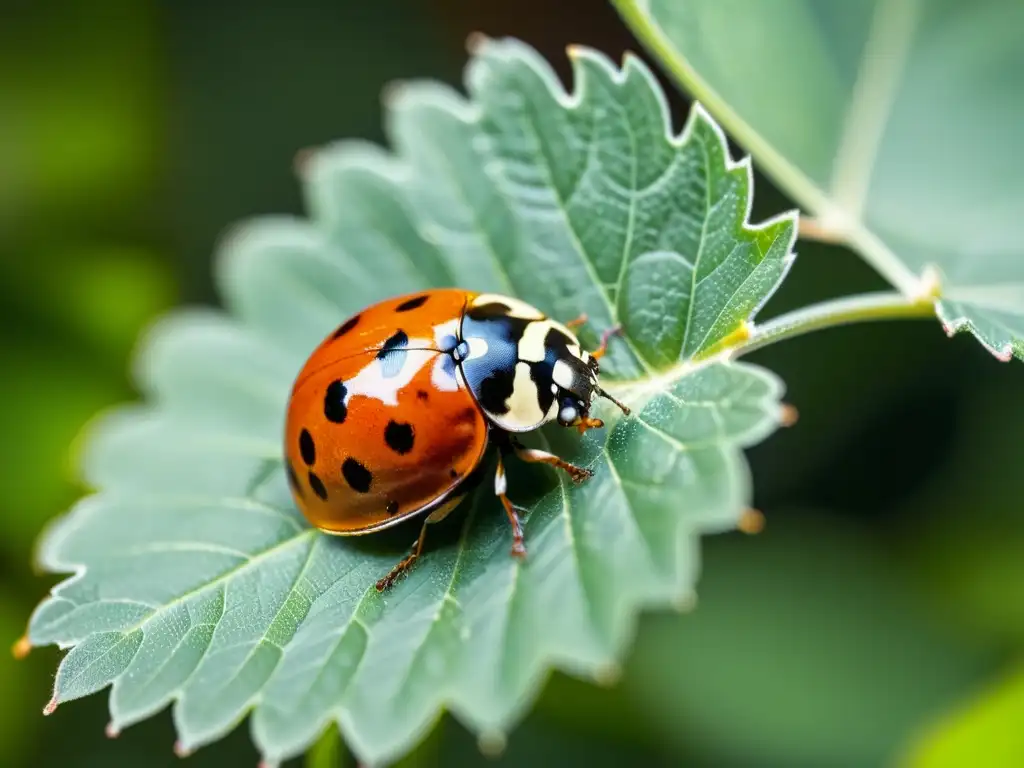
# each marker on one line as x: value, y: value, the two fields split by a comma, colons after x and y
x: 393, y: 413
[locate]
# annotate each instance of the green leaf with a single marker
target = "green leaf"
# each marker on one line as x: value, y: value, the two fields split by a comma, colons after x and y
x: 899, y: 130
x: 199, y: 583
x: 983, y: 731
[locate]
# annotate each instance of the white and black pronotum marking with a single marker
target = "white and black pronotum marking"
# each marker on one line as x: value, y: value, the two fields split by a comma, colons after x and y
x: 523, y: 368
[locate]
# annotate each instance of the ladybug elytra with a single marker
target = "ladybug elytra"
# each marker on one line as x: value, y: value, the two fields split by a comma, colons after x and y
x: 394, y: 411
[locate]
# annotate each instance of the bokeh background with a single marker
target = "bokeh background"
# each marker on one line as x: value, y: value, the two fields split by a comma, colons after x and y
x: 884, y: 596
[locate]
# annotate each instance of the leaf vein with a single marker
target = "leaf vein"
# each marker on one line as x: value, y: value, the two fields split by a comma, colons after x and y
x: 700, y: 247
x: 574, y: 237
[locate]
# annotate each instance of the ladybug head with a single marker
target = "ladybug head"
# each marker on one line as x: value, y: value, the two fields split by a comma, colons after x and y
x: 577, y: 379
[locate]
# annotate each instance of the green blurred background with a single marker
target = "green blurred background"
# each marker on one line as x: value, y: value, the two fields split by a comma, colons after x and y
x: 882, y: 604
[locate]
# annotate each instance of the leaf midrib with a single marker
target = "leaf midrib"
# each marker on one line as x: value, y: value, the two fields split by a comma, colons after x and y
x: 578, y: 248
x: 488, y: 236
x: 627, y: 245
x: 684, y: 347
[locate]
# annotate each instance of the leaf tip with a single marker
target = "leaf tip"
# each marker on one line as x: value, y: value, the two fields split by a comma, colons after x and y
x: 608, y: 675
x: 475, y: 42
x: 685, y: 602
x: 51, y: 706
x: 21, y: 648
x: 699, y: 115
x: 492, y: 743
x: 180, y: 750
x: 392, y: 92
x: 788, y: 415
x: 112, y: 731
x: 1004, y: 354
x: 751, y: 521
x: 302, y: 162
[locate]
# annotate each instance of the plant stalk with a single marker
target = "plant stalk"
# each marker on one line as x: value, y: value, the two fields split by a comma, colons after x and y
x: 883, y: 305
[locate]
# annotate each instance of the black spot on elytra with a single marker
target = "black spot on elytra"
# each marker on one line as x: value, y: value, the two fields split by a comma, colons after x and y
x: 495, y: 390
x: 307, y: 447
x: 335, y: 409
x: 397, y: 341
x: 453, y: 473
x: 413, y: 303
x: 469, y: 414
x: 399, y: 436
x: 422, y: 394
x: 345, y: 327
x: 356, y: 475
x: 293, y: 479
x: 392, y: 508
x: 318, y: 486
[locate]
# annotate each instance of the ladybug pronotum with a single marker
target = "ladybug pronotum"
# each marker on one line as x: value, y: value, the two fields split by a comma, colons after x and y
x: 394, y: 411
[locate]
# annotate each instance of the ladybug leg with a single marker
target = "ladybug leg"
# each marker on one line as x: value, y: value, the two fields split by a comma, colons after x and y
x: 573, y: 324
x: 598, y: 353
x: 535, y: 456
x: 500, y: 489
x: 406, y: 563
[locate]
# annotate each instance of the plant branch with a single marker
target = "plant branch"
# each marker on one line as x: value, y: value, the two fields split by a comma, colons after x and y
x: 815, y: 230
x: 885, y: 305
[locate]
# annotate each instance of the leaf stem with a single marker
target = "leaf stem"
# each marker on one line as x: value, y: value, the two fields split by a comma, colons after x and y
x: 815, y: 230
x: 882, y: 305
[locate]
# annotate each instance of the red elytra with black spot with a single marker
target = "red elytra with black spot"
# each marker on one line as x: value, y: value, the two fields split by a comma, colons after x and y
x: 366, y: 450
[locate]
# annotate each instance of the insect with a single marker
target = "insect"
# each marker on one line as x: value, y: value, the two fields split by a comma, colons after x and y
x: 393, y: 413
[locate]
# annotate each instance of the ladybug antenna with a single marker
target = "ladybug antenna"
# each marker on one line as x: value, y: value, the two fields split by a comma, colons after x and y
x: 606, y: 396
